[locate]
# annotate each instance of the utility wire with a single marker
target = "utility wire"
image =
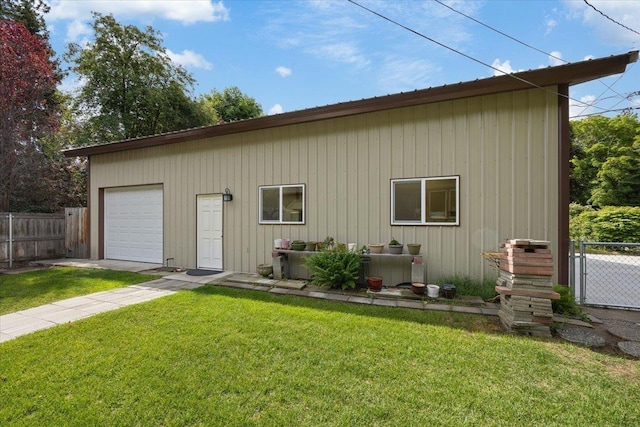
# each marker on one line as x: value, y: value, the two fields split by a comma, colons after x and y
x: 587, y: 105
x: 468, y: 56
x: 611, y: 19
x: 500, y: 32
x: 615, y: 110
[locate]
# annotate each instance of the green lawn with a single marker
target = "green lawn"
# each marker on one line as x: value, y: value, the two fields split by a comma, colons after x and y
x: 226, y: 357
x: 34, y: 288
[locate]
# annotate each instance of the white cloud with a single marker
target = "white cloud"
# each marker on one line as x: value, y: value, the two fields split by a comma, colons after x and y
x: 345, y: 52
x: 556, y: 58
x: 583, y: 107
x: 625, y: 12
x: 340, y: 35
x: 283, y: 71
x: 185, y: 11
x: 76, y: 29
x: 551, y: 24
x: 589, y: 57
x: 276, y: 109
x: 189, y: 59
x: 503, y: 68
x: 398, y: 75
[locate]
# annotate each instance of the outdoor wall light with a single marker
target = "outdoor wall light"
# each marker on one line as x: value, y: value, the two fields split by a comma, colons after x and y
x: 227, y: 196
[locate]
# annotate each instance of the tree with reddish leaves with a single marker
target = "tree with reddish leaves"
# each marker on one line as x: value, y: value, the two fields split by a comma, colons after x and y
x: 27, y: 108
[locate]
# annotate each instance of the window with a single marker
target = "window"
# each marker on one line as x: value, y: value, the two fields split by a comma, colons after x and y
x: 282, y: 204
x: 425, y: 201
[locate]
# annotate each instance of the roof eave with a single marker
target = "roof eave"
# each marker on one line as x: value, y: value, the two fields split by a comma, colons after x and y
x: 571, y: 74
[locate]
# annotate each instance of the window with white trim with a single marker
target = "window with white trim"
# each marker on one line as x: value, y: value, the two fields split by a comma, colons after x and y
x: 425, y: 201
x: 282, y: 204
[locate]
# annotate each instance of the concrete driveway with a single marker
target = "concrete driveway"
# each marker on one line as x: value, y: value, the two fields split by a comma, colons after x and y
x: 610, y: 280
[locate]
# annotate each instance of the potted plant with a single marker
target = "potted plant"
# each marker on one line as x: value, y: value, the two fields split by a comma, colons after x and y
x: 328, y: 244
x: 298, y: 245
x: 375, y: 283
x: 395, y: 247
x: 376, y: 248
x: 414, y: 248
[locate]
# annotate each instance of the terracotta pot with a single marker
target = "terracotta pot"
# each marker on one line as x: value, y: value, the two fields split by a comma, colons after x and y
x: 417, y: 288
x: 414, y: 248
x: 376, y: 248
x: 375, y: 283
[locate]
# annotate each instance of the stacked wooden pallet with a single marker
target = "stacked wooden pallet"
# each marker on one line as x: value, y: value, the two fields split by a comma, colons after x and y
x: 525, y: 286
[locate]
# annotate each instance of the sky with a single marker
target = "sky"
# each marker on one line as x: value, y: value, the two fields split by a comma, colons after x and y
x: 290, y: 55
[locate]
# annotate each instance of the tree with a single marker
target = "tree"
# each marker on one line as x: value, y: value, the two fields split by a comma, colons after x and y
x: 606, y: 161
x: 27, y: 88
x: 231, y: 105
x: 29, y: 12
x: 132, y: 88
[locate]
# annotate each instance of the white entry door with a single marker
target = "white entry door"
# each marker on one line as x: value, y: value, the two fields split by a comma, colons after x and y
x: 209, y: 231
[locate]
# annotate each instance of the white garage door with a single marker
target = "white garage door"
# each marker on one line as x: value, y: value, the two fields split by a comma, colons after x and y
x: 133, y: 224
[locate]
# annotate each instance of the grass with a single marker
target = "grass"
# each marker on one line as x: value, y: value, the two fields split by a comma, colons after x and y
x: 467, y: 286
x: 218, y: 356
x: 34, y: 288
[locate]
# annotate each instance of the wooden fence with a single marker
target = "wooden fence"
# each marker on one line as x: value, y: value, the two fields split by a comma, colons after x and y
x: 28, y: 237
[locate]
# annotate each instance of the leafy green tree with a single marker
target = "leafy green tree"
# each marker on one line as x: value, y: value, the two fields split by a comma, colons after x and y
x: 618, y: 182
x: 606, y: 161
x: 132, y: 87
x: 29, y: 12
x: 230, y: 105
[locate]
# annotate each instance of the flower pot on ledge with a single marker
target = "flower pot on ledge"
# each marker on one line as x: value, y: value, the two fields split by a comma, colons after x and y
x: 414, y: 248
x: 376, y: 248
x: 395, y: 249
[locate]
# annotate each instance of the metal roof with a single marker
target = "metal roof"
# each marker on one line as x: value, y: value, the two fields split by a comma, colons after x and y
x: 569, y: 74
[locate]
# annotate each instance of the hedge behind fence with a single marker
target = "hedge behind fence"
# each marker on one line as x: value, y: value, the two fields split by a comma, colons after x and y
x: 609, y: 224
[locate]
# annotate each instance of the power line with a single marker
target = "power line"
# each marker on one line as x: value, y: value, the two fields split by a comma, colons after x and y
x: 500, y: 32
x: 587, y: 105
x: 611, y: 19
x: 613, y: 110
x: 467, y: 56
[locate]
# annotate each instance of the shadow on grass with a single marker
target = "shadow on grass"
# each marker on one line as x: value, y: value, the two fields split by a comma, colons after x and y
x: 462, y: 321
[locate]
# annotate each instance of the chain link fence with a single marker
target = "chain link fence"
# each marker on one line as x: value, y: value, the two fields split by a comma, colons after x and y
x: 608, y: 274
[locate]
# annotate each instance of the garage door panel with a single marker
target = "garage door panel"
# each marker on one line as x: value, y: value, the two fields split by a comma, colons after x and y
x: 134, y: 224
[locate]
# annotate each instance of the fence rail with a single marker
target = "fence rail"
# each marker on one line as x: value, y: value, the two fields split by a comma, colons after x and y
x: 30, y: 236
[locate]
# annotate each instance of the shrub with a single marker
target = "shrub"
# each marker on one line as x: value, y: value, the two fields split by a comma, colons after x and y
x: 576, y: 209
x: 609, y: 224
x: 337, y: 267
x: 566, y: 304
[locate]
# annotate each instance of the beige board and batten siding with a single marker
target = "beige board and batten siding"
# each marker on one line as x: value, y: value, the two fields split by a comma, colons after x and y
x: 504, y: 147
